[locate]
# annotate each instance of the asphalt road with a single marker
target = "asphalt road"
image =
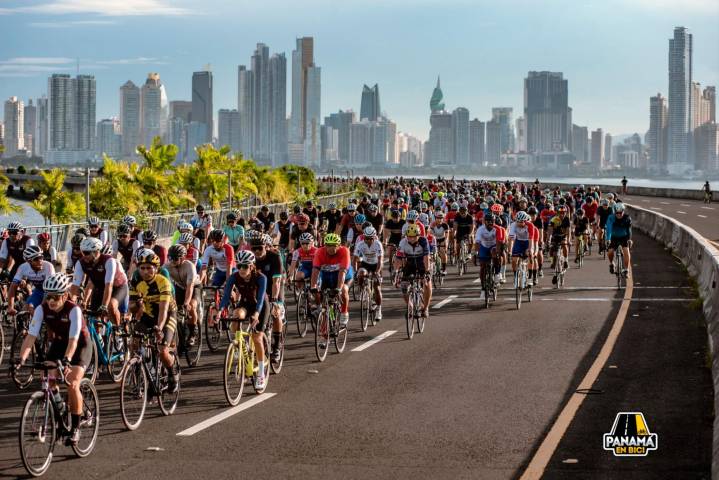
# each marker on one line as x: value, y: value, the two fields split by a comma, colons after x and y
x: 472, y: 397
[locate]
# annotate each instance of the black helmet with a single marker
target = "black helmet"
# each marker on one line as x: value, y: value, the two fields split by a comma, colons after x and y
x: 149, y: 236
x: 77, y: 239
x: 123, y: 229
x: 231, y: 216
x: 83, y: 231
x: 490, y: 218
x: 216, y: 235
x: 176, y: 252
x: 284, y: 215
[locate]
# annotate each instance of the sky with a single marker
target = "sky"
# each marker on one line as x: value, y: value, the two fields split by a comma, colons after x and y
x: 613, y: 52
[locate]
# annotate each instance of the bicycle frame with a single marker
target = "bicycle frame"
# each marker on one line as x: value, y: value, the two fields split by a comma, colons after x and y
x: 101, y: 340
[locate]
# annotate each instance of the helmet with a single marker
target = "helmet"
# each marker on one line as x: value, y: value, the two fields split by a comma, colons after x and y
x: 303, y: 218
x: 394, y: 212
x: 605, y: 202
x: 186, y: 226
x: 351, y: 207
x: 77, y: 239
x: 306, y: 237
x: 332, y: 205
x: 373, y: 208
x: 423, y: 219
x: 484, y: 206
x: 580, y: 212
x: 106, y: 249
x: 562, y: 208
x: 412, y: 231
x: 199, y: 208
x: 254, y: 237
x: 284, y: 215
x: 370, y: 232
x: 186, y: 238
x: 129, y: 219
x: 439, y: 214
x: 149, y: 257
x: 264, y: 208
x: 360, y: 219
x: 412, y: 215
x: 463, y: 208
x: 490, y: 218
x: 231, y: 216
x: 267, y: 240
x: 56, y: 283
x: 618, y: 207
x: 423, y: 206
x: 522, y: 200
x: 332, y: 239
x: 140, y: 252
x: 532, y: 210
x: 123, y: 229
x: 180, y: 222
x: 176, y: 252
x: 16, y: 226
x: 610, y: 197
x: 31, y: 252
x: 91, y: 244
x: 523, y: 217
x: 216, y: 235
x: 149, y: 236
x: 455, y: 207
x: 497, y: 208
x: 43, y: 237
x: 93, y: 221
x: 296, y: 209
x: 245, y: 257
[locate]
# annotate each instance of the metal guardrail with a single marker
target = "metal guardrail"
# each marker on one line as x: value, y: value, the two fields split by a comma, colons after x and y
x: 165, y: 225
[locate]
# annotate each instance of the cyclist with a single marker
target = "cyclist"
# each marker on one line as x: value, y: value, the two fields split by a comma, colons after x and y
x: 74, y: 254
x: 149, y: 241
x: 619, y: 234
x: 132, y: 222
x: 590, y: 208
x: 393, y: 232
x: 49, y: 253
x: 332, y: 216
x: 413, y: 259
x: 302, y: 226
x: 107, y: 280
x: 462, y: 228
x: 153, y: 306
x: 125, y: 246
x: 32, y: 272
x: 332, y: 267
x: 581, y: 232
x: 559, y: 229
x: 266, y: 217
x: 367, y: 260
x: 188, y: 290
x: 282, y: 231
x: 440, y: 231
x: 412, y: 219
x: 312, y: 213
x: 539, y: 244
x: 70, y: 341
x: 202, y: 224
x: 301, y: 266
x: 707, y: 192
x: 522, y: 235
x: 234, y: 233
x: 489, y: 243
x: 96, y: 231
x: 360, y: 222
x: 375, y: 218
x: 603, y: 213
x: 193, y: 254
x: 13, y: 247
x: 221, y: 254
x: 347, y: 221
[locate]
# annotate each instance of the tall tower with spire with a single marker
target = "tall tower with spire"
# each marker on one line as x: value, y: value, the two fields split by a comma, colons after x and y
x: 440, y: 151
x: 435, y: 103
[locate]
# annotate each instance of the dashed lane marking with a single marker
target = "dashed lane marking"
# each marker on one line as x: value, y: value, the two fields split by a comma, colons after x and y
x: 376, y: 339
x: 445, y: 301
x: 685, y: 205
x: 665, y: 203
x: 655, y: 208
x: 701, y: 216
x: 645, y: 201
x: 708, y: 208
x: 683, y: 213
x: 225, y: 415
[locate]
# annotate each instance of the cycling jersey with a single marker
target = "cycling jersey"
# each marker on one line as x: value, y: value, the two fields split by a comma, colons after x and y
x: 35, y: 277
x: 252, y: 291
x: 590, y: 210
x: 65, y: 325
x: 330, y: 265
x: 413, y: 253
x: 13, y: 249
x: 603, y: 213
x: 332, y: 218
x: 223, y: 258
x: 560, y: 226
x: 295, y: 232
x: 50, y: 255
x: 102, y: 235
x: 303, y: 259
x: 126, y: 251
x: 368, y: 253
x: 266, y: 219
x: 394, y: 227
x: 489, y: 238
x: 234, y: 234
x: 183, y: 274
x: 525, y: 233
x: 283, y: 229
x: 270, y: 265
x: 581, y: 225
x: 619, y: 227
x: 312, y: 213
x: 105, y: 270
x: 463, y: 224
x: 152, y: 293
x: 376, y: 221
x: 439, y: 230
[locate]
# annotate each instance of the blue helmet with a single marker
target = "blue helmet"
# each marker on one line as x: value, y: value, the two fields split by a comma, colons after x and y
x: 360, y: 219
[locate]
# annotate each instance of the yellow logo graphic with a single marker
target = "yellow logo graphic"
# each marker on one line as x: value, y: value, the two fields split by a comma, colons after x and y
x: 630, y: 436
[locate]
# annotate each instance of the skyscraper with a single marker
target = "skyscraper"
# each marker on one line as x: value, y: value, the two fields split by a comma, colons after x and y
x: 228, y: 129
x: 680, y: 114
x: 521, y: 131
x: 598, y: 148
x: 341, y: 122
x: 494, y: 141
x: 360, y: 144
x: 608, y: 155
x: 441, y: 139
x: 108, y: 137
x: 245, y: 107
x: 657, y: 135
x: 181, y: 109
x: 41, y: 127
x: 706, y: 139
x: 29, y: 126
x: 369, y: 107
x: 154, y: 109
x: 460, y: 132
x: 260, y: 62
x: 85, y: 105
x: 61, y: 121
x: 384, y: 138
x: 129, y: 118
x: 202, y: 102
x: 580, y: 143
x: 313, y: 114
x: 503, y: 116
x: 278, y: 109
x: 549, y: 119
x: 14, y: 140
x: 302, y: 60
x: 710, y: 103
x: 476, y: 143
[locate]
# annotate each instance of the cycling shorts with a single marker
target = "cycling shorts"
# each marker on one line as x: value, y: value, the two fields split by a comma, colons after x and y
x: 36, y: 298
x: 485, y: 253
x: 329, y: 279
x: 218, y: 278
x: 369, y: 267
x: 305, y: 268
x: 520, y: 247
x: 81, y: 358
x: 121, y: 294
x: 251, y: 308
x: 615, y: 242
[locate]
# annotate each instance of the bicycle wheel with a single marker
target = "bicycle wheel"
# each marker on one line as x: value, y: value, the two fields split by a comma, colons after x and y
x: 530, y: 292
x: 276, y: 365
x: 38, y: 430
x: 341, y: 336
x: 133, y: 394
x: 322, y: 335
x: 93, y: 367
x: 233, y: 376
x: 365, y: 309
x: 518, y: 289
x: 2, y: 341
x: 89, y: 419
x: 487, y: 284
x: 421, y: 319
x: 409, y: 316
x: 117, y: 356
x: 354, y: 291
x: 193, y: 352
x: 24, y: 375
x: 213, y: 334
x: 302, y: 314
x: 168, y: 400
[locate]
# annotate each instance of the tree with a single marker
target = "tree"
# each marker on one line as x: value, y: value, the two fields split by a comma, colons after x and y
x: 6, y: 206
x: 115, y: 193
x: 55, y: 204
x: 154, y: 176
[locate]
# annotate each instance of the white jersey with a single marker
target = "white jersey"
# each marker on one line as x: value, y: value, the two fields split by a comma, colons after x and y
x: 26, y: 272
x: 486, y: 238
x: 368, y: 253
x: 519, y: 233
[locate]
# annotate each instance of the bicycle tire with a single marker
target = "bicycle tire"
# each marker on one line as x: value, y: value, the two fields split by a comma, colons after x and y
x: 421, y: 319
x: 354, y: 291
x: 234, y: 373
x: 409, y: 315
x: 92, y: 369
x: 89, y: 420
x: 2, y: 340
x: 115, y: 369
x: 322, y: 336
x: 302, y: 314
x: 276, y: 366
x: 194, y: 352
x: 487, y: 284
x: 340, y: 340
x: 364, y: 309
x: 23, y: 376
x: 168, y: 401
x: 133, y: 386
x: 36, y: 404
x: 213, y: 335
x: 517, y: 290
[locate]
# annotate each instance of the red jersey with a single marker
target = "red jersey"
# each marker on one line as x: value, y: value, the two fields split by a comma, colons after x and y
x: 332, y: 263
x: 450, y: 216
x: 590, y: 210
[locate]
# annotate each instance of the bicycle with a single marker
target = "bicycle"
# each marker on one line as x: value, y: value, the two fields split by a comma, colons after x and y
x: 192, y: 352
x: 241, y: 363
x: 580, y: 251
x: 462, y: 258
x: 489, y: 286
x: 304, y: 310
x: 45, y: 421
x: 559, y: 266
x: 215, y: 320
x: 328, y: 325
x: 521, y: 282
x: 109, y: 347
x: 276, y: 365
x: 619, y: 267
x: 368, y: 307
x: 415, y: 306
x: 23, y: 376
x: 604, y: 243
x: 144, y: 374
x: 437, y: 276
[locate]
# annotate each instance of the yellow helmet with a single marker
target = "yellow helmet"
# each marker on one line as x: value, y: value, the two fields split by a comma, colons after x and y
x: 412, y: 230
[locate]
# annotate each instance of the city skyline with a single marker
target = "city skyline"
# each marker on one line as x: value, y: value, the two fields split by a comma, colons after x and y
x: 598, y: 99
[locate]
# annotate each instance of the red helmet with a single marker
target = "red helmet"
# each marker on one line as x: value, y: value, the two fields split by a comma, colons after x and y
x: 497, y: 208
x: 43, y: 237
x: 302, y: 218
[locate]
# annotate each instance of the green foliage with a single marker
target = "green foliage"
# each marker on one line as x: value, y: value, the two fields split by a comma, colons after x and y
x: 6, y: 206
x: 55, y: 204
x: 115, y: 193
x: 21, y: 170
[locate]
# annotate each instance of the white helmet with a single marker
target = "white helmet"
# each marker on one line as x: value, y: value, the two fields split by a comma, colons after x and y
x: 91, y: 244
x: 370, y: 232
x: 186, y: 237
x: 245, y: 257
x: 523, y: 217
x: 30, y: 252
x: 56, y: 283
x: 129, y: 219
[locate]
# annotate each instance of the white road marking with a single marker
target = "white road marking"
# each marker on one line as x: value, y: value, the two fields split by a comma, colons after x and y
x: 701, y: 216
x: 683, y: 213
x: 226, y: 414
x: 708, y: 208
x: 655, y: 208
x: 477, y: 280
x: 376, y: 339
x: 665, y: 203
x: 685, y: 205
x: 445, y: 301
x: 646, y: 201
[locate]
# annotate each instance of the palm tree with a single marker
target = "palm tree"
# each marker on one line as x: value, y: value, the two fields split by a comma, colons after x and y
x: 116, y: 192
x: 55, y: 204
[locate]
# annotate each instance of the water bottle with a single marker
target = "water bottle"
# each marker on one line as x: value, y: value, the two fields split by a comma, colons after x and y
x: 59, y: 401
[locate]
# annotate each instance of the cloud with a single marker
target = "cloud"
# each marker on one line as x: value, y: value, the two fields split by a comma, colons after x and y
x: 133, y: 61
x: 114, y: 8
x: 37, y: 61
x: 38, y: 66
x: 72, y: 23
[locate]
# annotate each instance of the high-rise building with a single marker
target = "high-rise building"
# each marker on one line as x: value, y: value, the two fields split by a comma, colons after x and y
x: 181, y: 109
x: 176, y: 135
x: 202, y: 111
x: 245, y: 107
x: 229, y: 131
x: 369, y: 108
x: 85, y: 105
x: 195, y: 136
x: 706, y: 139
x: 313, y: 112
x: 61, y: 117
x: 704, y: 105
x: 460, y: 132
x: 580, y: 143
x: 503, y: 116
x: 29, y: 126
x: 657, y: 134
x: 709, y: 106
x: 302, y: 60
x: 521, y: 130
x: 384, y: 138
x: 108, y: 138
x: 129, y: 118
x: 341, y: 122
x: 260, y: 62
x: 494, y: 141
x: 598, y: 154
x: 14, y: 140
x: 410, y: 150
x: 154, y: 109
x: 476, y: 143
x: 680, y: 102
x: 549, y: 118
x: 608, y: 157
x: 2, y: 133
x: 41, y: 127
x: 330, y: 144
x: 441, y: 139
x: 278, y: 109
x: 361, y: 144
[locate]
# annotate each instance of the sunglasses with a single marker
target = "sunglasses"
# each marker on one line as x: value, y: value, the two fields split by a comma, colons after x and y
x: 123, y: 236
x: 87, y: 254
x: 53, y: 297
x: 244, y: 267
x: 257, y: 249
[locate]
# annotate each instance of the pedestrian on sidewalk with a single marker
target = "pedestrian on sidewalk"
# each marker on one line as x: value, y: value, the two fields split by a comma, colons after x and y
x: 624, y: 185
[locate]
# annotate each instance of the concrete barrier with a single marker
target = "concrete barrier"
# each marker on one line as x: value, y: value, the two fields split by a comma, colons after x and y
x: 643, y: 191
x: 702, y: 261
